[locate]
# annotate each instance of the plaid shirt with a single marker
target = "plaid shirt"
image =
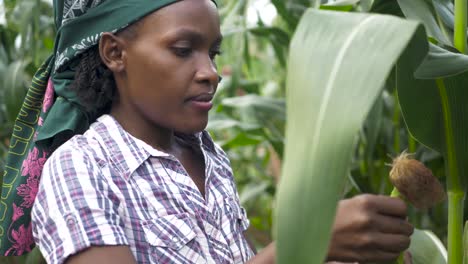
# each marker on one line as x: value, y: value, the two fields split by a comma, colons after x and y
x: 108, y: 188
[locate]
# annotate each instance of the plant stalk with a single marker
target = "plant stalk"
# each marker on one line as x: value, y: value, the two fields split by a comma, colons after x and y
x: 459, y: 38
x: 456, y: 194
x: 455, y: 191
x: 465, y: 244
x: 455, y: 232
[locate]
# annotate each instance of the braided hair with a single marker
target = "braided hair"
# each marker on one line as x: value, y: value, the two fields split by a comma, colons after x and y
x: 94, y: 83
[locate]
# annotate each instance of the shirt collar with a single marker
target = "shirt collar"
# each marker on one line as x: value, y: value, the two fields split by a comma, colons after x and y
x: 127, y: 152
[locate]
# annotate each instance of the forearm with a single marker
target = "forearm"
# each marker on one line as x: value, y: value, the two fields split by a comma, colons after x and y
x: 265, y: 256
x: 103, y: 255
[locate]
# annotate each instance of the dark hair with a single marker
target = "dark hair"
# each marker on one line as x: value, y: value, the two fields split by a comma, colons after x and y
x: 94, y: 83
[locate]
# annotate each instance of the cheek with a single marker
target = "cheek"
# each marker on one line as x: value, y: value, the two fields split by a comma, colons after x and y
x: 159, y: 76
x: 144, y: 62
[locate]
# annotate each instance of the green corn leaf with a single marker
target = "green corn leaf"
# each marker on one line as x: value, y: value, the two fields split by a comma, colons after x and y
x: 221, y: 122
x: 444, y: 9
x: 441, y: 63
x: 253, y: 191
x: 267, y: 112
x: 386, y: 7
x: 373, y: 125
x: 242, y: 140
x: 444, y: 131
x: 365, y: 5
x: 340, y: 5
x: 283, y: 11
x: 421, y: 10
x: 436, y: 114
x: 421, y: 105
x: 337, y: 66
x: 426, y: 248
x: 260, y: 103
x: 343, y: 8
x: 274, y: 33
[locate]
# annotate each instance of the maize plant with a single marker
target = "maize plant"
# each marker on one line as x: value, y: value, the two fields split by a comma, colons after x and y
x: 331, y: 88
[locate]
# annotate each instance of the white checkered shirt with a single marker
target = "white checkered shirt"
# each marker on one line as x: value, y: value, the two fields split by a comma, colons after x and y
x: 108, y: 188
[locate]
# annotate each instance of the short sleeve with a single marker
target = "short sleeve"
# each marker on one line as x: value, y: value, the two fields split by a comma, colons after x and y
x: 76, y: 206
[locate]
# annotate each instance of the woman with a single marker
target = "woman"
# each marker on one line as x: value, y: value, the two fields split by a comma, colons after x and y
x: 145, y: 183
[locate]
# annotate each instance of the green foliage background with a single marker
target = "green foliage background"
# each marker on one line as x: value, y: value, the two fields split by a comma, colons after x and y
x: 249, y: 118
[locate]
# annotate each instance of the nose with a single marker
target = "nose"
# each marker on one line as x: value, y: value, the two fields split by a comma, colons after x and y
x: 207, y: 72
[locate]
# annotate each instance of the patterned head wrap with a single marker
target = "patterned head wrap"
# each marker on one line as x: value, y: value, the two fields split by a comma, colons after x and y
x: 51, y: 113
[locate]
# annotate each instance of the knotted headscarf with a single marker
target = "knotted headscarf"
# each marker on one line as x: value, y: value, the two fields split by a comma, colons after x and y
x: 51, y: 113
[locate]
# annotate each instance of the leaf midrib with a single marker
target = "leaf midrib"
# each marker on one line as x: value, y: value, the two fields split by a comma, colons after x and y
x: 331, y: 81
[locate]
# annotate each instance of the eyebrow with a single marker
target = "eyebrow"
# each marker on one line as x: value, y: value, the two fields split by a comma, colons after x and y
x: 195, y: 36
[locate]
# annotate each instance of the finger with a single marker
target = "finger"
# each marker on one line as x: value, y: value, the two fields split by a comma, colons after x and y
x: 393, y: 225
x: 390, y: 206
x: 392, y: 243
x: 377, y: 256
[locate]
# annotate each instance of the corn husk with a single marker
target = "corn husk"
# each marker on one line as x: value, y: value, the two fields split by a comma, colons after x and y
x: 415, y: 182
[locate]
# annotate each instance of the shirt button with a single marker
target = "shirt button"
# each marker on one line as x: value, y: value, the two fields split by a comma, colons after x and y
x: 70, y: 220
x: 175, y: 239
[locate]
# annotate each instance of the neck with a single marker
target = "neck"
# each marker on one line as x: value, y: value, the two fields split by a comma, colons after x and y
x: 158, y: 137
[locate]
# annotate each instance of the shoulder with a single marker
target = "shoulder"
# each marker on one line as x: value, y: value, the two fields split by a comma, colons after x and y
x: 80, y: 162
x: 79, y: 149
x: 77, y: 204
x: 77, y: 173
x: 89, y: 147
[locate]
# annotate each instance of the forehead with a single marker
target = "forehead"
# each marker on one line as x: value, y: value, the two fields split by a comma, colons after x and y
x: 199, y: 15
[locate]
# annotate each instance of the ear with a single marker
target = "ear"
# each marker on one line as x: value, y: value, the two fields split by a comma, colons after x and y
x: 112, y: 52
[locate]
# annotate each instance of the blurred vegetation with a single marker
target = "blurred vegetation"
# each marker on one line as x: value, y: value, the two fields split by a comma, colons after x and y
x: 249, y: 118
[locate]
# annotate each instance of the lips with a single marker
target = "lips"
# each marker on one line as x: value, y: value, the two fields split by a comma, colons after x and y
x: 201, y: 102
x: 206, y: 97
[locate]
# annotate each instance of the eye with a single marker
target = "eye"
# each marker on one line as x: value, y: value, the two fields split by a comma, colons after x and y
x: 182, y: 52
x: 215, y: 53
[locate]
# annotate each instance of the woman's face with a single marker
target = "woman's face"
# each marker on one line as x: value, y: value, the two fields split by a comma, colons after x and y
x: 169, y: 76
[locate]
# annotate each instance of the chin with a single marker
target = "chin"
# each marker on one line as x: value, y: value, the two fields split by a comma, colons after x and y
x: 193, y: 127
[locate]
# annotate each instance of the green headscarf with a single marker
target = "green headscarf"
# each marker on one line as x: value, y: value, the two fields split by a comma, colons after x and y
x: 51, y: 113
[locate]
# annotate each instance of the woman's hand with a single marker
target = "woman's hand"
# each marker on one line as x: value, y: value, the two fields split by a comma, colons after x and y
x: 369, y: 228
